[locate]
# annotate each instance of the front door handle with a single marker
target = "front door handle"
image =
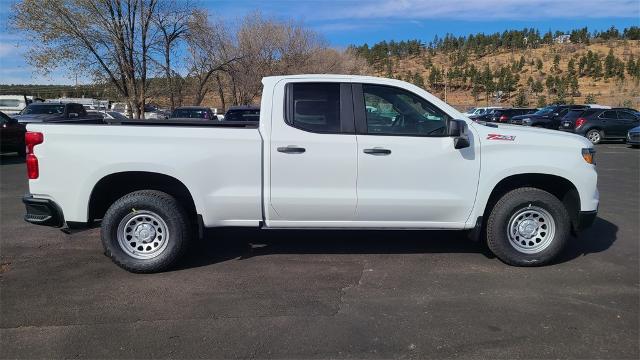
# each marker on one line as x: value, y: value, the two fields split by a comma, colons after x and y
x: 377, y: 151
x: 291, y: 149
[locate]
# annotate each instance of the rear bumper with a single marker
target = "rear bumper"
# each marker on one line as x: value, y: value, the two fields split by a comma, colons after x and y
x: 42, y: 212
x: 586, y: 219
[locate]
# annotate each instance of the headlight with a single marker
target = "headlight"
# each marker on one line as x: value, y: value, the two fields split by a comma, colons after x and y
x: 589, y: 155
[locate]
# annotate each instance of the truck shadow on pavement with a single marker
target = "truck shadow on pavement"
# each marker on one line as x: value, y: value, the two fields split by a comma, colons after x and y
x: 226, y: 244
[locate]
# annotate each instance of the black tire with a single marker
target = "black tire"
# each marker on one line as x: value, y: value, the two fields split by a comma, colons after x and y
x: 590, y: 135
x: 518, y: 200
x: 167, y: 208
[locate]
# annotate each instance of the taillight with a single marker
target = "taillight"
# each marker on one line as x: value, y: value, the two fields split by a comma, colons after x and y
x: 580, y: 122
x: 31, y: 139
x: 503, y: 118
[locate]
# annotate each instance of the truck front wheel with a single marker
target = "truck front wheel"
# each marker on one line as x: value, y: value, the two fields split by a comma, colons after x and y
x: 145, y: 231
x: 528, y: 227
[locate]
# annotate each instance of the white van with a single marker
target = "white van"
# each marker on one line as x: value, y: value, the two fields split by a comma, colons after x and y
x: 13, y: 104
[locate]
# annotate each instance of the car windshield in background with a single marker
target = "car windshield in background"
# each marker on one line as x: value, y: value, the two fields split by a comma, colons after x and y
x: 242, y: 115
x: 44, y: 109
x: 545, y: 111
x: 117, y: 115
x: 190, y: 113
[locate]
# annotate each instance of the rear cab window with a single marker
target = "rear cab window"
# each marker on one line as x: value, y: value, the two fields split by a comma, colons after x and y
x: 319, y: 107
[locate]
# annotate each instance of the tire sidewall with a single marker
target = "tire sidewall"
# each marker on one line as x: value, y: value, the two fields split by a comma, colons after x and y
x: 129, y: 204
x: 500, y: 217
x: 591, y: 131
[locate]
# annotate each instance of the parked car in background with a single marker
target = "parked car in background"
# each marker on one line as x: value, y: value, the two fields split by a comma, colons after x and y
x: 193, y: 112
x: 548, y: 117
x: 504, y: 115
x: 14, y: 104
x: 633, y: 137
x: 599, y: 124
x: 42, y: 112
x: 11, y: 135
x: 485, y: 116
x: 242, y: 113
x: 476, y: 111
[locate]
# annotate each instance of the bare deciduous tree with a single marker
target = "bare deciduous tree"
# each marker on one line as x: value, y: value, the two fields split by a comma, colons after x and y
x: 109, y: 38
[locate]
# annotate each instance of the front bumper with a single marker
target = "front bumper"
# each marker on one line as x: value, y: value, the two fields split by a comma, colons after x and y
x: 42, y: 212
x: 586, y: 219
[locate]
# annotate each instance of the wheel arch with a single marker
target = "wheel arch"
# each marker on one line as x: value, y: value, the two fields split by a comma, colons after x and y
x: 113, y: 186
x: 561, y: 187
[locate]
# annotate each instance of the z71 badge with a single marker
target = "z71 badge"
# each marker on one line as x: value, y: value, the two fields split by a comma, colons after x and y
x: 501, y: 137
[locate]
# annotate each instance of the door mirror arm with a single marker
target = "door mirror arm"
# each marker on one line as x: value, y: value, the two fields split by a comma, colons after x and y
x: 457, y: 130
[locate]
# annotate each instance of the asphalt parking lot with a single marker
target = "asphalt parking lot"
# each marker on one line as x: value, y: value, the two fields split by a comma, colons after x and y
x: 274, y: 294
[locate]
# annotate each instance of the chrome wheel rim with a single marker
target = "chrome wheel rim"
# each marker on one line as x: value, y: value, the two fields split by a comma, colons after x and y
x: 143, y: 234
x: 594, y: 136
x: 531, y: 230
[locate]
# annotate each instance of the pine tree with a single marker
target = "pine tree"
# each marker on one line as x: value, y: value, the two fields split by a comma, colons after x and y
x: 521, y: 99
x: 556, y: 64
x: 539, y: 64
x: 609, y: 65
x: 590, y: 99
x: 542, y: 101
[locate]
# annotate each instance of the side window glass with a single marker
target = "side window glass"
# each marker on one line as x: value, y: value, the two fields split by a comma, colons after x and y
x: 393, y: 111
x: 626, y: 115
x: 315, y: 107
x: 609, y: 115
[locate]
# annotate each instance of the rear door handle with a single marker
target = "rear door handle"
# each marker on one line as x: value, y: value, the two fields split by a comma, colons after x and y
x: 291, y: 149
x: 377, y: 151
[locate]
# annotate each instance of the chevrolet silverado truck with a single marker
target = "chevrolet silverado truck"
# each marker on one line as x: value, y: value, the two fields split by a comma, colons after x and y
x: 328, y: 152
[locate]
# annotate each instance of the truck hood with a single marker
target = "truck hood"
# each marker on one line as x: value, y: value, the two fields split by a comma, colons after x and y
x: 525, y: 135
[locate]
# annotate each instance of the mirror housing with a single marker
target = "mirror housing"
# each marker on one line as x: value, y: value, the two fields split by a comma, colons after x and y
x: 456, y: 129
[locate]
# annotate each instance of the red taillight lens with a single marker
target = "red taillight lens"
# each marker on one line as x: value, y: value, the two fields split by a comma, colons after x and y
x: 31, y: 139
x: 503, y: 118
x: 580, y: 122
x: 32, y: 167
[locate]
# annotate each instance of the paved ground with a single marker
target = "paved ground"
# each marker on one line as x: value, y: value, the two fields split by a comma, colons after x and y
x: 326, y: 294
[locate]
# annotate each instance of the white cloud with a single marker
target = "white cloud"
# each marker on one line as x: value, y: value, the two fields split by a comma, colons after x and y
x: 490, y: 9
x: 6, y: 49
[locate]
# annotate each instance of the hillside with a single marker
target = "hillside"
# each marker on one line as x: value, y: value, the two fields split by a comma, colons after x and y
x: 538, y: 64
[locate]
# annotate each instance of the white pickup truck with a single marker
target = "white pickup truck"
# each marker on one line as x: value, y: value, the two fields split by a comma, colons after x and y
x: 329, y: 151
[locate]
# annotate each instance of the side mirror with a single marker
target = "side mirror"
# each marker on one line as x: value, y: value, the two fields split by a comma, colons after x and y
x: 73, y: 115
x: 456, y: 129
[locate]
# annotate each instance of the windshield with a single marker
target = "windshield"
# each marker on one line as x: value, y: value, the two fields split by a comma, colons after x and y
x: 545, y: 111
x: 44, y: 109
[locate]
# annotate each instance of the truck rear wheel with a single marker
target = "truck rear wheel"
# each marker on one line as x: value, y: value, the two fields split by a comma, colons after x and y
x: 145, y: 231
x: 528, y: 227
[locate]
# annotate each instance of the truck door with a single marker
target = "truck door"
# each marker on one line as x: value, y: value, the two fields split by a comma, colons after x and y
x: 409, y: 173
x: 313, y: 156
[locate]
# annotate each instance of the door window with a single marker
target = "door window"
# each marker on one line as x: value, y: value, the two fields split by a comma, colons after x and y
x: 393, y: 111
x: 624, y: 115
x: 314, y: 107
x: 609, y: 115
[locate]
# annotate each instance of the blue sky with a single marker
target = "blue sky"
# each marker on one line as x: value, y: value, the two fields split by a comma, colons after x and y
x: 345, y: 22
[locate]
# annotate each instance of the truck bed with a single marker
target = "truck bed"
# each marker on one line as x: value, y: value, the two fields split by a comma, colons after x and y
x: 220, y: 165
